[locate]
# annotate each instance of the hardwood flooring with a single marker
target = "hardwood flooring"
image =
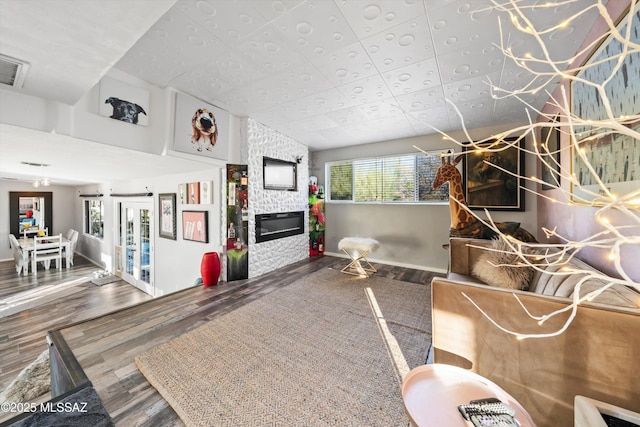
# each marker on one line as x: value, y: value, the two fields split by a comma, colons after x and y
x: 57, y: 298
x: 106, y: 346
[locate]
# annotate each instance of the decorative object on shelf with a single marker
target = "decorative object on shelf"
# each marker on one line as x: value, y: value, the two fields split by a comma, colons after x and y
x: 167, y: 208
x: 316, y: 218
x: 492, y: 172
x: 210, y: 269
x: 237, y: 249
x: 195, y: 226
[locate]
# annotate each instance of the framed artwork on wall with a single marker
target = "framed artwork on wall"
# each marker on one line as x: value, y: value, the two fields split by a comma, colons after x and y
x: 550, y: 155
x: 614, y: 157
x: 124, y: 102
x: 182, y: 194
x: 206, y: 192
x: 195, y: 226
x: 200, y: 128
x: 492, y: 176
x: 193, y: 193
x: 167, y: 208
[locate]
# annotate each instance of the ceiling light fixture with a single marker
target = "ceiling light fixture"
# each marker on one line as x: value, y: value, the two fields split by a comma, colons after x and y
x: 44, y: 182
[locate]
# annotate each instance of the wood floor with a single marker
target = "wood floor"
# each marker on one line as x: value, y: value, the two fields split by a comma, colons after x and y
x: 106, y: 346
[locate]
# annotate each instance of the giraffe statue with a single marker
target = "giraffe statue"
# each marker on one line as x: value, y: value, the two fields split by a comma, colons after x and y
x: 463, y: 222
x: 447, y: 172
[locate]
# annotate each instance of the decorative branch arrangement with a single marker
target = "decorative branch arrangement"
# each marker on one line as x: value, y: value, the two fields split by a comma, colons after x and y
x: 601, y: 111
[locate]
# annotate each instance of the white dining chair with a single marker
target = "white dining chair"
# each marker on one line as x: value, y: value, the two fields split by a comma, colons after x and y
x: 72, y: 236
x: 46, y: 249
x: 22, y: 265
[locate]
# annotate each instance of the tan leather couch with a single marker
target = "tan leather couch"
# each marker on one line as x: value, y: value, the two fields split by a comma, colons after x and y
x: 594, y: 357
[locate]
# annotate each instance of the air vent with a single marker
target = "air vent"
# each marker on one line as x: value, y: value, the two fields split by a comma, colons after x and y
x: 12, y: 71
x: 39, y: 165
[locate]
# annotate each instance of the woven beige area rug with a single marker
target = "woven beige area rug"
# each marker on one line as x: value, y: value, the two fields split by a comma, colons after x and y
x: 328, y: 350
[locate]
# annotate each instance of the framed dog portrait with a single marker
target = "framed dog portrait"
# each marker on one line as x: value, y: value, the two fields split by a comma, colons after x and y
x: 124, y: 102
x: 195, y: 226
x: 200, y: 129
x: 167, y: 207
x: 492, y: 177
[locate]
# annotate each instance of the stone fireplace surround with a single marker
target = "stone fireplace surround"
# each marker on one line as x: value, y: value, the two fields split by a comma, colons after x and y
x: 258, y: 141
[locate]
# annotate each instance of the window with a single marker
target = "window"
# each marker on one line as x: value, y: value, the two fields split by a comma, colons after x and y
x: 399, y: 179
x: 94, y: 218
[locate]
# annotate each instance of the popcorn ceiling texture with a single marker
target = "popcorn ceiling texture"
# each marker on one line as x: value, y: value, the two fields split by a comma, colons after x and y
x: 263, y: 141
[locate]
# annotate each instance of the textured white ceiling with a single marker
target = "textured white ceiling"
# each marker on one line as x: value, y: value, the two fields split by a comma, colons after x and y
x: 333, y: 73
x: 328, y: 73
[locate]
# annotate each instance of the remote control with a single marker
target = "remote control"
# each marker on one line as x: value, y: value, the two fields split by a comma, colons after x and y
x: 489, y: 412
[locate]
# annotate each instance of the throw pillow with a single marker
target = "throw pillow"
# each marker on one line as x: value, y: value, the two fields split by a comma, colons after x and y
x: 499, y: 267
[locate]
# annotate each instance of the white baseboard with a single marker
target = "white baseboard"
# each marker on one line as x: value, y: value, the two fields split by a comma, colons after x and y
x: 396, y: 264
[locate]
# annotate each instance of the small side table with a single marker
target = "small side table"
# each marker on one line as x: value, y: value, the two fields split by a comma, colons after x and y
x: 432, y: 393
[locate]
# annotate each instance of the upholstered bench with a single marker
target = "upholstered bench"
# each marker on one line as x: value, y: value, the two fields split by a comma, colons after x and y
x: 357, y: 249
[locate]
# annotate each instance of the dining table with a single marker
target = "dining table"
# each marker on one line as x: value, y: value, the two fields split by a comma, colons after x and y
x: 27, y: 244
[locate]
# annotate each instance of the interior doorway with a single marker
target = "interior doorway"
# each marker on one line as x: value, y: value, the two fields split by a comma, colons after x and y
x: 136, y: 240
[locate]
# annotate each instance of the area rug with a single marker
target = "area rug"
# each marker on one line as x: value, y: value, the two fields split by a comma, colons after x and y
x: 330, y: 349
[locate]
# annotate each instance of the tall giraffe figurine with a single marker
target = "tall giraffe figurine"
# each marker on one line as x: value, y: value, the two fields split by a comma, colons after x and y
x: 447, y: 172
x: 463, y: 222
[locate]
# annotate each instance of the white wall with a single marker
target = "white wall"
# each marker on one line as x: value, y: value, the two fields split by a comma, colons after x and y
x: 410, y: 235
x: 176, y: 262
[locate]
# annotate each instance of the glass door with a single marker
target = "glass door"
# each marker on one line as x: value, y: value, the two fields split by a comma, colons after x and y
x: 137, y: 239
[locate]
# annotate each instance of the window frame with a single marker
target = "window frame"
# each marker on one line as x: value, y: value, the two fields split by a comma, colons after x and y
x: 88, y: 221
x: 380, y: 198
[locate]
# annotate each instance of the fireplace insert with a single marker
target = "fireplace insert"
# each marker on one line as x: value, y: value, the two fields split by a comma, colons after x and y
x: 278, y: 225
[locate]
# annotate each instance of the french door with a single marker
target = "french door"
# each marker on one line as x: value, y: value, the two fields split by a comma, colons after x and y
x: 136, y: 230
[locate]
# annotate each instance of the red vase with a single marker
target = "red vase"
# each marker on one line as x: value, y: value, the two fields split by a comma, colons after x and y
x: 210, y: 269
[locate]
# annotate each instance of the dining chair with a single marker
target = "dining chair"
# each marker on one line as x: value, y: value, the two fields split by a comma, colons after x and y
x: 72, y: 236
x: 46, y: 249
x: 22, y: 265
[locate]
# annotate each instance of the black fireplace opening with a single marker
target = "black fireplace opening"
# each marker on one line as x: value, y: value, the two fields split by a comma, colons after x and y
x: 278, y: 225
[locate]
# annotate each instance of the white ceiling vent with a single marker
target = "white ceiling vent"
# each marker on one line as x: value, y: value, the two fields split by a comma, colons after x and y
x: 12, y: 71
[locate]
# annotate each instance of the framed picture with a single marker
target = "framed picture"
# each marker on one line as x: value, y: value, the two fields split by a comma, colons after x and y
x: 193, y: 193
x: 491, y: 187
x: 613, y: 156
x: 550, y: 155
x: 195, y: 226
x: 206, y: 193
x: 124, y: 102
x: 167, y: 207
x: 182, y: 194
x: 200, y: 128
